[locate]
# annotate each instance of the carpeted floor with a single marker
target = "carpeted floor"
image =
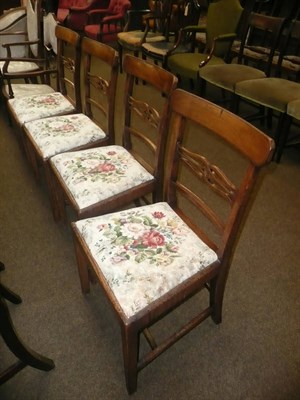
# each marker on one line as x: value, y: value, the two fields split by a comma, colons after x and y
x: 253, y: 355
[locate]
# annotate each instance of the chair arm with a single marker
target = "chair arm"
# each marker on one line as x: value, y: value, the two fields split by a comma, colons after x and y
x: 98, y: 11
x: 112, y: 18
x: 13, y: 33
x: 227, y: 37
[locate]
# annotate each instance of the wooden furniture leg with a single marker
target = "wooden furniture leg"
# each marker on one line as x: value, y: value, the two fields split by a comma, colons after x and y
x: 25, y: 355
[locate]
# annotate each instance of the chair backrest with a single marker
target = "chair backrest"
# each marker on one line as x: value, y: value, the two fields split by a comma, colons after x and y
x: 145, y: 127
x: 118, y: 7
x: 101, y: 64
x: 207, y: 145
x: 268, y: 29
x: 288, y: 61
x: 34, y: 26
x: 11, y: 22
x: 68, y: 64
x: 223, y: 17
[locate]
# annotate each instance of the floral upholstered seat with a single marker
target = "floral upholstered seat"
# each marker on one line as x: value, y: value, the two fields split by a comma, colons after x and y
x: 94, y: 175
x: 143, y: 253
x: 35, y: 107
x: 55, y: 135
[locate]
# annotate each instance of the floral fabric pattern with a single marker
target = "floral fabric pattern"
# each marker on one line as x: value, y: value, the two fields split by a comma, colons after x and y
x: 55, y: 135
x: 31, y: 108
x: 144, y: 252
x: 94, y: 175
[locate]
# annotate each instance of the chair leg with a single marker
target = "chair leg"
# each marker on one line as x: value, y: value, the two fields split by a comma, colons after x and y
x: 25, y: 355
x: 82, y: 266
x: 130, y: 342
x: 281, y: 135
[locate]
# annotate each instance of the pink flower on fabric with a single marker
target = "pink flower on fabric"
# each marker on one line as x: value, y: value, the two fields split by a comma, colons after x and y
x: 49, y: 100
x: 67, y: 127
x: 152, y: 239
x: 158, y: 214
x: 111, y: 153
x: 104, y: 167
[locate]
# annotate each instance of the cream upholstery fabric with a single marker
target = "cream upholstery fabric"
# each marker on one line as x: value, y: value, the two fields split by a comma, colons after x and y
x: 143, y: 253
x: 31, y: 108
x: 55, y: 135
x: 94, y: 175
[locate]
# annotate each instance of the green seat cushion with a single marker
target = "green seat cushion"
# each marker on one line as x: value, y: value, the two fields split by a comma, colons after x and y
x: 273, y: 93
x: 293, y: 109
x: 226, y: 76
x: 187, y: 65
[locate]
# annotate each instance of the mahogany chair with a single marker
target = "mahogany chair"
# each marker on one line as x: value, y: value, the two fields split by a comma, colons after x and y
x: 25, y: 355
x: 150, y: 260
x: 105, y: 24
x: 47, y: 137
x: 103, y: 179
x: 65, y: 101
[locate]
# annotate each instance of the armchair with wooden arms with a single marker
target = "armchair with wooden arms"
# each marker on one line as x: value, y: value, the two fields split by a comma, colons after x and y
x: 220, y: 29
x: 27, y: 54
x: 105, y: 24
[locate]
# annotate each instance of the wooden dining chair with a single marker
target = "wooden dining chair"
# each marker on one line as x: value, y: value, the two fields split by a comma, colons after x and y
x: 65, y: 101
x: 103, y: 179
x: 152, y: 259
x: 25, y: 355
x: 46, y: 137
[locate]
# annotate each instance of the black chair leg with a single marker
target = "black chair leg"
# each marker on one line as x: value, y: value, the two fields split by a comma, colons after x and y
x: 26, y: 356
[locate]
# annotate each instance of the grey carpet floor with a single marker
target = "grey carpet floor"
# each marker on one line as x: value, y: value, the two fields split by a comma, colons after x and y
x: 253, y: 355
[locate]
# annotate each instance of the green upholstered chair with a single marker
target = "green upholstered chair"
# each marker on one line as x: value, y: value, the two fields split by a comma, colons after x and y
x: 221, y: 25
x: 272, y: 93
x: 175, y: 15
x: 226, y: 76
x: 132, y: 40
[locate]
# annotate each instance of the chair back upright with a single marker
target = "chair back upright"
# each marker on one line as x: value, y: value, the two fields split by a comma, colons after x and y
x: 68, y: 65
x: 145, y: 127
x: 222, y: 17
x: 262, y: 31
x: 100, y: 84
x: 202, y: 185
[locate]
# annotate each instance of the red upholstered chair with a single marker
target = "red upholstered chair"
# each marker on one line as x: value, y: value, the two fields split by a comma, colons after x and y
x: 105, y: 24
x: 77, y: 18
x: 79, y: 8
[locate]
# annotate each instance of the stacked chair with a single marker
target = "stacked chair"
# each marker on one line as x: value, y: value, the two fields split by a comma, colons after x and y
x: 142, y: 229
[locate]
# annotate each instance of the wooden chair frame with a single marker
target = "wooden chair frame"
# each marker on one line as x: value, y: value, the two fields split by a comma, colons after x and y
x: 252, y: 145
x: 164, y: 83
